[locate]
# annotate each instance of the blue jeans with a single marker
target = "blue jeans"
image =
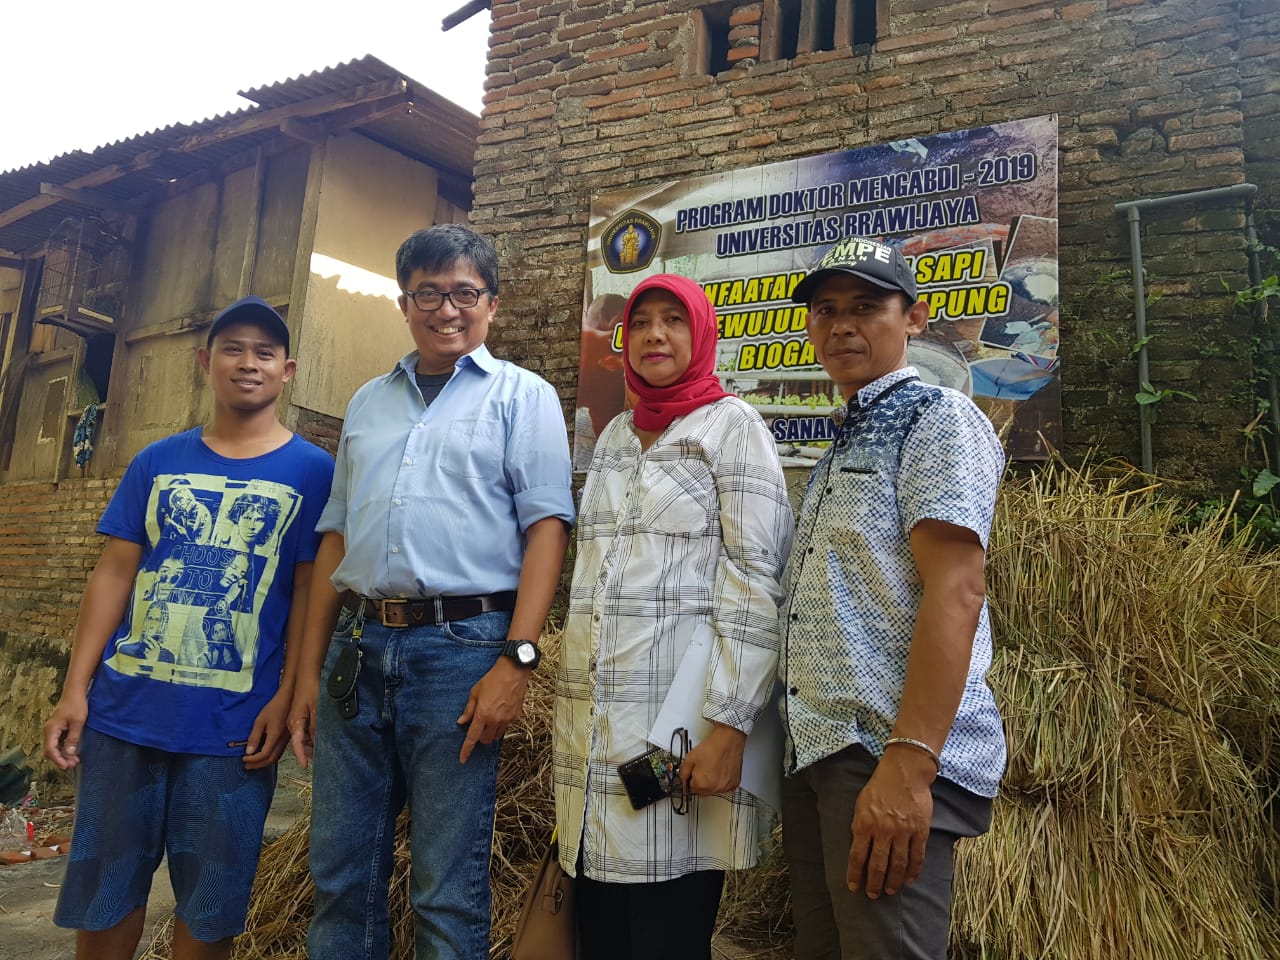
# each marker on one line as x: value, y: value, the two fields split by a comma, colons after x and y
x: 403, y: 746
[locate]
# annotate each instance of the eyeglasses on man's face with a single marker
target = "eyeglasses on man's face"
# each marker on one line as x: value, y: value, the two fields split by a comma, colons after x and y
x: 429, y: 300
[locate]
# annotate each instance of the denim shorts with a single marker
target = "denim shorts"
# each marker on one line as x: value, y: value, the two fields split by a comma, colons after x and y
x: 136, y: 804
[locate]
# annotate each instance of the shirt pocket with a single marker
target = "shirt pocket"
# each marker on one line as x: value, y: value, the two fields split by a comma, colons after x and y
x: 676, y: 498
x: 473, y: 449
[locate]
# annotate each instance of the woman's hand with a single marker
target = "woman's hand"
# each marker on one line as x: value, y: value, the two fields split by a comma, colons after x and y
x: 714, y: 765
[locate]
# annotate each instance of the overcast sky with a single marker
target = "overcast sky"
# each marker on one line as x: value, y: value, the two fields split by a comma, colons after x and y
x: 81, y: 74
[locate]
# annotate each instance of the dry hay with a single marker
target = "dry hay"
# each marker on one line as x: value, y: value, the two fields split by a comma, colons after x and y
x: 1138, y: 671
x: 1137, y: 668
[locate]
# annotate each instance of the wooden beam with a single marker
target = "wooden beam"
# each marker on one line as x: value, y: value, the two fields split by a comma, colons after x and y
x: 843, y: 32
x: 250, y: 258
x: 808, y: 35
x: 463, y: 14
x: 96, y: 179
x: 238, y: 161
x: 186, y: 323
x: 301, y: 282
x: 368, y: 112
x: 87, y: 198
x: 770, y: 30
x: 312, y: 133
x: 11, y: 263
x: 268, y: 119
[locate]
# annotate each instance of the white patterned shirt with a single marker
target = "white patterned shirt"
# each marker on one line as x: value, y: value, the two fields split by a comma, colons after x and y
x: 907, y: 452
x: 689, y: 535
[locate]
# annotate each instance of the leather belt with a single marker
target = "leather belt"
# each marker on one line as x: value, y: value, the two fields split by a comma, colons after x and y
x: 403, y: 612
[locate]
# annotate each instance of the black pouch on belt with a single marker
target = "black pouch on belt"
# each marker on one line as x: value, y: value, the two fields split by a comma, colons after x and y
x: 342, y: 681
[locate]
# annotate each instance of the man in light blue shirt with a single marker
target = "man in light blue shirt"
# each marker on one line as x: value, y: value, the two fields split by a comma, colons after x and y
x: 442, y: 546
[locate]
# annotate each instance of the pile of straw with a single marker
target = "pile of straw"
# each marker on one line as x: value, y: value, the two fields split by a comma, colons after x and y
x: 1138, y: 670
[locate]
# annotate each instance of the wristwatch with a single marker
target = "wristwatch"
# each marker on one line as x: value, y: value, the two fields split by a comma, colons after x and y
x: 524, y: 652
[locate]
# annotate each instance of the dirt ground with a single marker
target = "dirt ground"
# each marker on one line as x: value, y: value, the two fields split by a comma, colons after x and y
x: 28, y: 891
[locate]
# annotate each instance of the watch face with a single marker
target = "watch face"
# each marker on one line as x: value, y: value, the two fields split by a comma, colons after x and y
x: 526, y: 652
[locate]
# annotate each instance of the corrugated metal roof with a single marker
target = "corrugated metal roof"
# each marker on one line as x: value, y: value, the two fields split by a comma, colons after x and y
x: 434, y: 131
x: 335, y: 79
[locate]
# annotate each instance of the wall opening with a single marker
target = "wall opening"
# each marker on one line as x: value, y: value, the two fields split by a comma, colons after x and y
x: 713, y: 39
x: 808, y: 26
x: 98, y: 350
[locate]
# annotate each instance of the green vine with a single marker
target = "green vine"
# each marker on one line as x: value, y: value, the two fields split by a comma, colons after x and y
x: 1254, y: 511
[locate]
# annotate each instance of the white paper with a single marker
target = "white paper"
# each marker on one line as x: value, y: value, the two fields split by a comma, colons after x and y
x: 762, y: 757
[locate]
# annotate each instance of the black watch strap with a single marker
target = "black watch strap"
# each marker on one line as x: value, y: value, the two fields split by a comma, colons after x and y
x: 525, y: 653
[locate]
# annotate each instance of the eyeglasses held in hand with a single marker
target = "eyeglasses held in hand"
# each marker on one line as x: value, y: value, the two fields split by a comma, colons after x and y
x: 680, y: 799
x: 429, y: 300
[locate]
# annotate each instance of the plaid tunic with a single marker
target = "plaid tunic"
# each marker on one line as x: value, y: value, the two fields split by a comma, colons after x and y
x: 690, y: 535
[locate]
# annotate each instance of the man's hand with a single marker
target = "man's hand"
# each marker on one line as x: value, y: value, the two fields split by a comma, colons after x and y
x: 302, y: 719
x: 62, y: 731
x: 495, y: 701
x: 891, y: 823
x: 714, y: 765
x: 270, y: 734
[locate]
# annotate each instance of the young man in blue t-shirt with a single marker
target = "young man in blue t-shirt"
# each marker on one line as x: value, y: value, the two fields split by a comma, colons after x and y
x: 182, y: 667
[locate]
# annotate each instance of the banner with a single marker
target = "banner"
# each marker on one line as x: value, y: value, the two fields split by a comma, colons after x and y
x: 974, y: 211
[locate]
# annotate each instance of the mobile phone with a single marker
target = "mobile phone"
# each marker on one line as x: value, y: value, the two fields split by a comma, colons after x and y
x: 652, y: 776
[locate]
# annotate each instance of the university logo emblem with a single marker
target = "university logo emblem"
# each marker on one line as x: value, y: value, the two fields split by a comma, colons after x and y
x: 629, y: 243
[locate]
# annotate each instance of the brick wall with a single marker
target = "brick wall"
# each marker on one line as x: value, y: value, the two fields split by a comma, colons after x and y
x: 321, y: 429
x: 1152, y: 97
x: 47, y: 548
x: 1260, y: 108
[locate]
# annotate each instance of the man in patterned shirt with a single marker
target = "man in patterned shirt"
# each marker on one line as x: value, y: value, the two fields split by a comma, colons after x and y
x: 894, y: 743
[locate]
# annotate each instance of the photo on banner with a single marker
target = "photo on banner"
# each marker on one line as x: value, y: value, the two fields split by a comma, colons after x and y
x: 974, y: 211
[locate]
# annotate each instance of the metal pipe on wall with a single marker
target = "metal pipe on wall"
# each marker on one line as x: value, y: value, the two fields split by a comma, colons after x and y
x: 1133, y: 210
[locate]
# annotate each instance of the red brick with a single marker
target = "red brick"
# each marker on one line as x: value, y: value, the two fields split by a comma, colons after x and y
x: 621, y: 112
x: 617, y: 52
x: 890, y: 44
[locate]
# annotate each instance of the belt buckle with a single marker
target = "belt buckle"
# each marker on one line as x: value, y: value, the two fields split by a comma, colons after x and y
x: 397, y: 601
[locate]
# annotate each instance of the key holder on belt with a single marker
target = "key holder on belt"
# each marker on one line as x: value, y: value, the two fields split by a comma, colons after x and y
x: 342, y: 681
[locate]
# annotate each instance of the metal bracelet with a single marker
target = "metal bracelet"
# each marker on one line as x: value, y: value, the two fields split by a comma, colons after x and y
x: 919, y: 745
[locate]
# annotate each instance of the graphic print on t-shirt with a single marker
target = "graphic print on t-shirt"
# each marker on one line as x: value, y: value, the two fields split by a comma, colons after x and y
x: 193, y: 617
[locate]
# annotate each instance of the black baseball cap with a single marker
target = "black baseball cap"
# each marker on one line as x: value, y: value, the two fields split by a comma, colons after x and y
x: 871, y: 260
x: 256, y: 311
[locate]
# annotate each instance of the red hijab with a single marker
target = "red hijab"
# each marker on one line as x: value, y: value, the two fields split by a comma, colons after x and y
x: 698, y: 385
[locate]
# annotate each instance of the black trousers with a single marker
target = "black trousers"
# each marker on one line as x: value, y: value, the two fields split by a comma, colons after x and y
x: 673, y: 919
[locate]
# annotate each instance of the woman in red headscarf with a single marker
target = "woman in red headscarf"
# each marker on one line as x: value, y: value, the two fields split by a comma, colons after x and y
x: 682, y: 536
